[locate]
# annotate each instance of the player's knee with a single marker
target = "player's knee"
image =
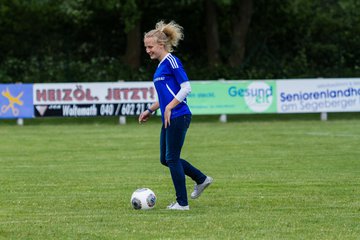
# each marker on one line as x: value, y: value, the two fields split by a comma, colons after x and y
x: 163, y: 161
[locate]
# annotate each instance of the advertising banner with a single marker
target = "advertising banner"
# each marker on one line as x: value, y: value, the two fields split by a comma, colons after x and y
x: 16, y: 101
x: 92, y: 99
x: 318, y: 95
x: 207, y: 97
x: 232, y: 97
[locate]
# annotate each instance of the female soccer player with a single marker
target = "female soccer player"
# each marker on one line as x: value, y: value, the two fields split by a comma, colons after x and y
x: 172, y: 86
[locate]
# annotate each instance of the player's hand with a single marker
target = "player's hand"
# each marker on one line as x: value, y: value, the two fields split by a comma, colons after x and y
x: 144, y: 116
x: 167, y: 116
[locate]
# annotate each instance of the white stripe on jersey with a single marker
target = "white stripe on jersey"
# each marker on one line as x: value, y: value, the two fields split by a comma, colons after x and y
x: 172, y: 61
x: 172, y: 93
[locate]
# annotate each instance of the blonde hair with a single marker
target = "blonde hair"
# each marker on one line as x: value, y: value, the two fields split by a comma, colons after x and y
x: 168, y: 34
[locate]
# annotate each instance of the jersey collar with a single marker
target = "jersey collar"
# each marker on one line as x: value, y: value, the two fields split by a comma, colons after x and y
x: 164, y: 58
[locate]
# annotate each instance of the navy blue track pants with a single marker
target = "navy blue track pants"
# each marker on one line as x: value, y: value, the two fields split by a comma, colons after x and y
x: 171, y: 141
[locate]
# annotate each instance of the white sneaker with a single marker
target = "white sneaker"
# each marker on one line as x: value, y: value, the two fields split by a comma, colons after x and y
x: 176, y: 206
x: 199, y: 188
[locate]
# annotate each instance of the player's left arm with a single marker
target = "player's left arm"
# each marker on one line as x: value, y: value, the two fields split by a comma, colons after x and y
x: 185, y: 89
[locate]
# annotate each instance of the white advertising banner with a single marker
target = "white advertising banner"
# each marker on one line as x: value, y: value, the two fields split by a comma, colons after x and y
x: 318, y: 95
x: 92, y: 99
x: 87, y: 93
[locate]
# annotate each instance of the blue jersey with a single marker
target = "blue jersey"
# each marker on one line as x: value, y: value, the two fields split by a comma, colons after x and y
x: 167, y: 79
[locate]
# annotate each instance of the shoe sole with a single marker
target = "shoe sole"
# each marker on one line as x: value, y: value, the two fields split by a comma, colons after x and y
x: 178, y: 209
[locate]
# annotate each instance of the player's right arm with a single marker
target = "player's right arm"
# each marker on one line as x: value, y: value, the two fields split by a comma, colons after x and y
x: 144, y: 116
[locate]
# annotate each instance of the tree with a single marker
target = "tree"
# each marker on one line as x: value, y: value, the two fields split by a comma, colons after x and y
x: 241, y: 23
x: 132, y: 18
x: 212, y: 33
x: 90, y: 40
x: 240, y: 18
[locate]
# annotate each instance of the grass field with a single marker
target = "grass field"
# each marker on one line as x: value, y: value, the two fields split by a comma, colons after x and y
x: 274, y: 179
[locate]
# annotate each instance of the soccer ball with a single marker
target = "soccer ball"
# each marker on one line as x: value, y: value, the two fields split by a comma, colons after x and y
x: 143, y: 198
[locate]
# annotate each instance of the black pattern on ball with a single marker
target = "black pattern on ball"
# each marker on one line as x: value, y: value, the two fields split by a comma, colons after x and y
x: 136, y: 203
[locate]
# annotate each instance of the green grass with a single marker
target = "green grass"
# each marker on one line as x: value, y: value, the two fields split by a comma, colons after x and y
x: 274, y: 179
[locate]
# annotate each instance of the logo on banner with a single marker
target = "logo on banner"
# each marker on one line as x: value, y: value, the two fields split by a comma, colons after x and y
x: 41, y: 109
x: 13, y: 101
x: 259, y: 97
x: 16, y: 101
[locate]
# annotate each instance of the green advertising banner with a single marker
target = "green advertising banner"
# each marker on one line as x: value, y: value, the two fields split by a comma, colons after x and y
x: 232, y: 97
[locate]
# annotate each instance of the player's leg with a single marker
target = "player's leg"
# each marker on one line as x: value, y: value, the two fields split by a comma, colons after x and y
x: 163, y: 146
x: 191, y: 171
x: 175, y: 136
